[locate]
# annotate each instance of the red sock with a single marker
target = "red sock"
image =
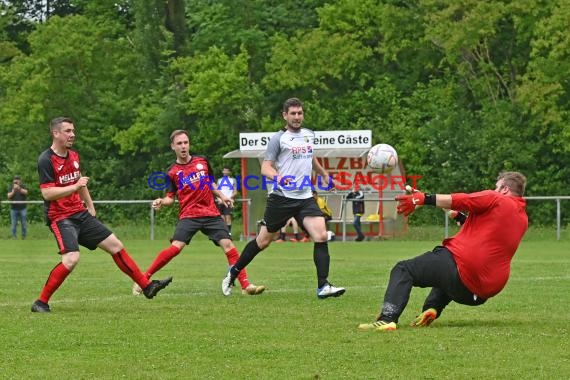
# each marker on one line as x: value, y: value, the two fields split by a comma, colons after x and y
x: 233, y: 257
x: 162, y: 259
x: 56, y: 277
x: 130, y: 268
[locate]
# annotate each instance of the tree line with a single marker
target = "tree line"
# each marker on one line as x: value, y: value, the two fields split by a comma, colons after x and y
x: 462, y: 90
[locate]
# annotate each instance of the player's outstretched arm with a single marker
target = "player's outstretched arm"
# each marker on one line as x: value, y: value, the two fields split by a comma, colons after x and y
x: 457, y: 216
x: 268, y: 169
x: 159, y: 202
x: 225, y: 200
x: 408, y: 203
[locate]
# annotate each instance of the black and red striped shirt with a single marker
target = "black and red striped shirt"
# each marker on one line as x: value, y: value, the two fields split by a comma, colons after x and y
x: 57, y: 171
x: 192, y: 184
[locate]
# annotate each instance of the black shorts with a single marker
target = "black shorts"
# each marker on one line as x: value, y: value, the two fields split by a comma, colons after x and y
x: 224, y: 210
x: 212, y: 226
x: 279, y: 209
x: 437, y: 269
x: 81, y: 228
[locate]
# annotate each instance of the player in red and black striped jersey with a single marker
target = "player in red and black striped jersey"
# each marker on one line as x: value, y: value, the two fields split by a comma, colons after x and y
x: 70, y: 215
x: 191, y: 180
x: 192, y: 183
x: 58, y: 171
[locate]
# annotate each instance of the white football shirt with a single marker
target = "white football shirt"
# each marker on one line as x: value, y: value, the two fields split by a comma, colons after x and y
x: 292, y: 154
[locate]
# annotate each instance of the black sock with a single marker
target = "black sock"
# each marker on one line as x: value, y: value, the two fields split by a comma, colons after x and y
x: 282, y: 235
x: 248, y: 254
x: 322, y: 261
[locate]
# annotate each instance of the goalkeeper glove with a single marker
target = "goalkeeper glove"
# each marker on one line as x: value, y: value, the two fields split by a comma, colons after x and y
x: 458, y: 216
x: 407, y: 203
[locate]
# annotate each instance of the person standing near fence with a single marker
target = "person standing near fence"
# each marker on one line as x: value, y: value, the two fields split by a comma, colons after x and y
x: 227, y: 185
x: 17, y: 191
x: 190, y: 180
x: 283, y: 232
x: 357, y: 210
x: 468, y: 268
x: 289, y: 161
x: 70, y: 215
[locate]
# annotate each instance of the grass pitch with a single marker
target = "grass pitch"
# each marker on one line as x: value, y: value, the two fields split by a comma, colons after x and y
x: 98, y: 330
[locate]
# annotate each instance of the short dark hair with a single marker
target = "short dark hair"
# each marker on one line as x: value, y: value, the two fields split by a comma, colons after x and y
x: 17, y: 177
x: 179, y: 132
x: 515, y: 181
x: 291, y: 102
x: 56, y: 123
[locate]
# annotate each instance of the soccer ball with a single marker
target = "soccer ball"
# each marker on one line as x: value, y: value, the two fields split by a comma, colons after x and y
x: 383, y: 158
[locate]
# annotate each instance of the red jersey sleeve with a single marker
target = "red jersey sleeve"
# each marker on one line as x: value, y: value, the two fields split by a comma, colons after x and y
x: 474, y: 202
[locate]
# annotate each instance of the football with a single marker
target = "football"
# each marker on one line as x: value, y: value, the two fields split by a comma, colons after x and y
x: 382, y: 158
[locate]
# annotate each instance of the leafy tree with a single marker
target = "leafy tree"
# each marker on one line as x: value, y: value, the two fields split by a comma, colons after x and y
x: 219, y: 97
x: 176, y: 24
x: 544, y: 90
x: 462, y: 89
x: 151, y: 39
x: 80, y: 68
x: 233, y: 25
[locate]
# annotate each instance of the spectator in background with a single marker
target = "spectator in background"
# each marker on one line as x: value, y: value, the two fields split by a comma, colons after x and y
x: 228, y: 186
x: 17, y: 191
x: 292, y: 222
x: 357, y: 209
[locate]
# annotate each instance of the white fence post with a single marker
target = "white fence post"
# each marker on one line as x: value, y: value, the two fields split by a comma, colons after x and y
x: 558, y: 217
x: 152, y: 222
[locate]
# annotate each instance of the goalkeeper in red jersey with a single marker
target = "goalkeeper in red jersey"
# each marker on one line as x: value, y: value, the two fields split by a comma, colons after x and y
x: 468, y: 268
x: 190, y: 179
x: 70, y: 215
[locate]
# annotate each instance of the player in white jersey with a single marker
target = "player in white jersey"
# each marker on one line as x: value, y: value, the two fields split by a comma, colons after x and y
x: 228, y: 186
x: 288, y: 163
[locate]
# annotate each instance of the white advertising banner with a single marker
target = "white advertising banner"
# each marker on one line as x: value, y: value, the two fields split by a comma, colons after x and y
x: 323, y: 140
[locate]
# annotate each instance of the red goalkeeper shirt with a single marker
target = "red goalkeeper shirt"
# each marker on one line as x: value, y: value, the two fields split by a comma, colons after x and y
x: 192, y: 184
x: 485, y: 245
x: 57, y: 171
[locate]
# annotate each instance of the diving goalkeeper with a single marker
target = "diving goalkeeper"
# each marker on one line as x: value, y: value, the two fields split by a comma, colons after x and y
x: 468, y: 268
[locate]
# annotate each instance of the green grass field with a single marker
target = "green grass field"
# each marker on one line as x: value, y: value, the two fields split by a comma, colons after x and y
x: 98, y: 330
